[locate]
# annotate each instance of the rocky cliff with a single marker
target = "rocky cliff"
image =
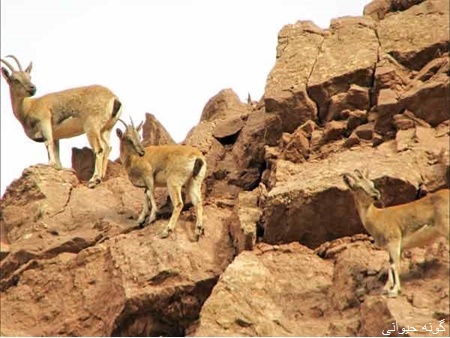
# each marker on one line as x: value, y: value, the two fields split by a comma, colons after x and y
x: 284, y: 251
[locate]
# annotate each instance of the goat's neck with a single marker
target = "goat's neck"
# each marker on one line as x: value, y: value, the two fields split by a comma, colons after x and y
x: 363, y: 205
x: 20, y: 106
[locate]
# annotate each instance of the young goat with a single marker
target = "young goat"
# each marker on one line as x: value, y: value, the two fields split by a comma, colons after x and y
x: 401, y: 226
x: 92, y: 110
x: 173, y: 166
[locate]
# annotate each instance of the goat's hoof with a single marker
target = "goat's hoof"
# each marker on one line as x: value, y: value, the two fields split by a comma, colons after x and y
x: 198, y: 233
x: 166, y: 233
x: 93, y: 182
x: 392, y: 294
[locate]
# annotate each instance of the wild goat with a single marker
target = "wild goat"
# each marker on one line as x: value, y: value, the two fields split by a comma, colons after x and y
x: 401, y: 226
x: 92, y: 110
x: 173, y: 166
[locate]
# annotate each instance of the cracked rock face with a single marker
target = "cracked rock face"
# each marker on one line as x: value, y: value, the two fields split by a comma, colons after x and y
x: 285, y: 253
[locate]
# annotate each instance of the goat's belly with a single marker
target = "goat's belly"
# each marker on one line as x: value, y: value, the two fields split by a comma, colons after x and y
x: 160, y: 179
x: 423, y: 236
x: 70, y: 127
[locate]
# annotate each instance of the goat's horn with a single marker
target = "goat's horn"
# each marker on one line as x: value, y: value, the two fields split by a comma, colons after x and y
x: 8, y: 65
x: 359, y: 173
x: 123, y: 123
x: 132, y: 124
x: 350, y: 175
x: 17, y: 61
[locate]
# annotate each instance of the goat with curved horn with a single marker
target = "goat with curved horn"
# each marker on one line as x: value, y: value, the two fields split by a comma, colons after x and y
x: 171, y: 166
x: 91, y: 110
x: 11, y: 68
x: 399, y: 227
x: 15, y: 59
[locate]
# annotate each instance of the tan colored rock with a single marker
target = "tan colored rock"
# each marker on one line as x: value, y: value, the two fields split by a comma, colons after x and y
x: 334, y: 130
x: 228, y: 129
x: 347, y: 56
x: 133, y: 284
x: 415, y: 36
x: 429, y: 101
x: 285, y: 93
x: 224, y: 104
x: 154, y: 133
x: 356, y: 274
x: 311, y: 194
x: 377, y: 9
x: 245, y: 220
x: 356, y: 98
x: 297, y: 149
x: 265, y: 293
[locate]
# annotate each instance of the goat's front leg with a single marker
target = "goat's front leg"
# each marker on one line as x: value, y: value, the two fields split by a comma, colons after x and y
x: 393, y: 285
x: 148, y: 198
x: 57, y: 158
x: 50, y: 144
x: 143, y: 215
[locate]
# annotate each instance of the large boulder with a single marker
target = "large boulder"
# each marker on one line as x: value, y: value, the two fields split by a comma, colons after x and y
x: 416, y: 36
x: 309, y: 203
x: 81, y: 245
x: 347, y: 56
x: 286, y: 86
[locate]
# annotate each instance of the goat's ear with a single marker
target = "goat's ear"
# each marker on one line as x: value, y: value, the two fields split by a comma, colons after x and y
x: 5, y: 74
x: 29, y: 68
x: 139, y: 127
x: 347, y: 180
x: 119, y: 133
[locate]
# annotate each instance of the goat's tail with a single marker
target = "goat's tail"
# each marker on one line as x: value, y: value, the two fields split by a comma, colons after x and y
x: 199, y: 163
x: 116, y: 108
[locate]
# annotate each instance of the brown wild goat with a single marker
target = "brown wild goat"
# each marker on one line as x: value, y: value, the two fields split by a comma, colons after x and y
x: 173, y: 166
x: 91, y: 110
x: 401, y: 226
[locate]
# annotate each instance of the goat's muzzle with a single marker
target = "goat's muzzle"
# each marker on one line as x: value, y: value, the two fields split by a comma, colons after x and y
x: 32, y: 90
x: 141, y: 153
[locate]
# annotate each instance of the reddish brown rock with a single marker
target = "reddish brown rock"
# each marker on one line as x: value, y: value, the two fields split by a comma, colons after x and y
x: 262, y: 294
x: 338, y: 66
x: 297, y: 149
x: 377, y: 9
x: 224, y: 104
x: 355, y: 118
x: 417, y: 35
x: 365, y: 131
x: 154, y: 133
x: 285, y: 93
x: 429, y: 101
x: 334, y: 130
x: 357, y: 98
x: 226, y: 130
x: 74, y: 239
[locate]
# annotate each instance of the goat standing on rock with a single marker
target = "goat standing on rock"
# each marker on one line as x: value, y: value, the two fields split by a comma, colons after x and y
x: 93, y: 110
x: 401, y: 226
x: 173, y: 166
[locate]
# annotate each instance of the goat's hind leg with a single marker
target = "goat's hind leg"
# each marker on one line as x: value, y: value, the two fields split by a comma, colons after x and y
x: 105, y: 137
x: 177, y: 202
x: 195, y: 195
x: 96, y: 144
